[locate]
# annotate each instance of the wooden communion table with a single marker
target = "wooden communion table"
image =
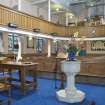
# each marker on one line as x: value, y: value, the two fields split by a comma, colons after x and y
x: 22, y: 67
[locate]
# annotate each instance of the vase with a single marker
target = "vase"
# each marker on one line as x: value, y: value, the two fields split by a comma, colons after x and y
x: 71, y: 56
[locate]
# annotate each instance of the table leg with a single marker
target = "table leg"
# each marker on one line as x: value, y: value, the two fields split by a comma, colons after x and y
x: 10, y: 76
x: 19, y: 75
x: 22, y: 79
x: 55, y: 74
x: 9, y: 96
x: 34, y: 82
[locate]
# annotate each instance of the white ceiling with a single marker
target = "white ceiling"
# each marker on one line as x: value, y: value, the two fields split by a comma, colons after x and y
x: 73, y: 5
x: 66, y: 2
x: 44, y: 4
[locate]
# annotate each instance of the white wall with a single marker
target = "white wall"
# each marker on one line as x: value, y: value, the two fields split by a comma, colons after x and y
x: 9, y: 3
x: 26, y: 7
x: 44, y: 13
x: 58, y: 18
x: 35, y: 11
x: 54, y: 18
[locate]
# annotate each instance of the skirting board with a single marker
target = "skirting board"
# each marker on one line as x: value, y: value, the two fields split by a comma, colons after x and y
x: 79, y: 78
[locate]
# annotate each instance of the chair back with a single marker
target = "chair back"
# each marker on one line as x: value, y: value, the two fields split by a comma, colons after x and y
x: 3, y: 76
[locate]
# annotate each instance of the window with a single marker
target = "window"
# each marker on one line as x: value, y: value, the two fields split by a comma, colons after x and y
x: 39, y: 45
x: 12, y: 42
x: 30, y: 42
x: 54, y: 48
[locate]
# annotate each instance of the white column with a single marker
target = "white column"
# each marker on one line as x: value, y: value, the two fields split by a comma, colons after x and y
x: 49, y: 10
x: 67, y: 19
x: 1, y: 44
x: 89, y: 12
x: 37, y: 11
x: 19, y: 56
x: 19, y: 5
x: 49, y: 48
x: 77, y: 19
x: 104, y: 9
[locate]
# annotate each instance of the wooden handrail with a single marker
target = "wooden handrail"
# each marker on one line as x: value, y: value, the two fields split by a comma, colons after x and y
x: 26, y: 21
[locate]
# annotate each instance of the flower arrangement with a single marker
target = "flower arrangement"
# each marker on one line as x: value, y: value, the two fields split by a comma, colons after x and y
x: 72, y: 50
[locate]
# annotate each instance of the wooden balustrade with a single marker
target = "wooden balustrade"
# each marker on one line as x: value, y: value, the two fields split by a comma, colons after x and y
x: 28, y: 22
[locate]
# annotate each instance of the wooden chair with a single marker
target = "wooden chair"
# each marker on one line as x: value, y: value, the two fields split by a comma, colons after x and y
x: 4, y: 86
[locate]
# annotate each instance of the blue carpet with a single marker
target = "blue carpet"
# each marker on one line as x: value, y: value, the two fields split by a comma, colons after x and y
x: 46, y: 94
